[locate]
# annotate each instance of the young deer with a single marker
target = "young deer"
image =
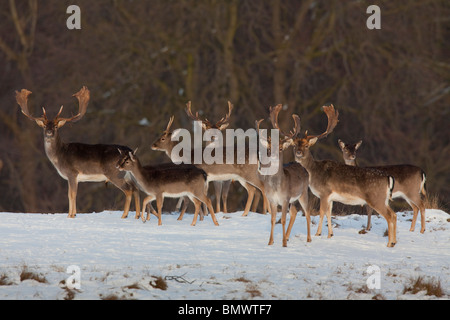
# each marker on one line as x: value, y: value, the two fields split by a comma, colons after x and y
x: 409, y: 183
x: 288, y: 185
x: 244, y: 173
x: 332, y: 181
x: 78, y: 162
x: 172, y: 182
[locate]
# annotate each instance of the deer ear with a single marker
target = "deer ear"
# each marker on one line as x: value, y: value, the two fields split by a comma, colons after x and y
x: 286, y: 144
x: 312, y: 141
x: 131, y: 156
x: 60, y: 123
x: 40, y: 123
x: 358, y: 144
x: 341, y: 144
x: 135, y: 150
x: 224, y: 126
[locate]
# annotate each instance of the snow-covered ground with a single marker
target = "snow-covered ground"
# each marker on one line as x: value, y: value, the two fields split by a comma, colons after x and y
x: 128, y: 259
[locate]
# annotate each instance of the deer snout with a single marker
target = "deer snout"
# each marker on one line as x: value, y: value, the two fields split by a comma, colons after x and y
x: 49, y: 133
x: 299, y: 154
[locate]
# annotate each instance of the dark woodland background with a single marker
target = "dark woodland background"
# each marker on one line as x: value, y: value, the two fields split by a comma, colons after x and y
x: 146, y: 59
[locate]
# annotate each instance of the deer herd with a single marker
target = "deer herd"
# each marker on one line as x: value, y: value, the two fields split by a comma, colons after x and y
x: 328, y: 180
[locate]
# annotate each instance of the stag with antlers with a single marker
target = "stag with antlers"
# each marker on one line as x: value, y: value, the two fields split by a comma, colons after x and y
x: 289, y: 184
x: 333, y: 181
x: 244, y: 173
x: 78, y: 162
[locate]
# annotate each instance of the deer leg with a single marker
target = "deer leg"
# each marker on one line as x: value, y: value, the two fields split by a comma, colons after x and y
x: 184, y: 207
x: 284, y: 208
x: 218, y: 191
x: 137, y: 203
x: 159, y: 204
x: 201, y: 212
x: 72, y: 194
x: 304, y: 202
x: 256, y: 201
x: 146, y: 200
x: 293, y: 215
x: 273, y: 218
x: 391, y: 219
x: 129, y: 190
x: 251, y: 193
x: 225, y: 189
x: 207, y: 201
x: 179, y: 203
x: 417, y: 205
x: 393, y: 226
x: 128, y: 196
x: 323, y: 209
x: 205, y: 210
x: 330, y: 226
x: 422, y: 216
x: 415, y: 213
x: 197, y: 204
x: 369, y: 211
x: 266, y: 204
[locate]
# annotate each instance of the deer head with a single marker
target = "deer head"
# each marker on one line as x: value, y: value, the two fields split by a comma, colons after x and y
x: 302, y: 145
x: 349, y: 151
x: 127, y: 160
x: 163, y: 142
x: 285, y: 139
x: 51, y: 126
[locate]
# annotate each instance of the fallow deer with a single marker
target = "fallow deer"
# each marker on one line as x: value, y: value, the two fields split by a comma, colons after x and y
x: 409, y: 183
x: 333, y: 181
x: 78, y: 162
x: 171, y: 182
x: 245, y: 173
x: 288, y: 185
x: 221, y: 188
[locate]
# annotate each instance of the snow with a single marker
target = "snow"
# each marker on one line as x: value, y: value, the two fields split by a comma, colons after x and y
x: 123, y: 258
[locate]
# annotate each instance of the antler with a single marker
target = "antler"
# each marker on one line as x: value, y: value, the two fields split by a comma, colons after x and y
x: 169, y: 124
x: 274, y: 119
x: 189, y: 112
x: 22, y: 101
x: 206, y: 123
x: 333, y: 120
x: 226, y: 119
x: 257, y: 123
x: 83, y: 97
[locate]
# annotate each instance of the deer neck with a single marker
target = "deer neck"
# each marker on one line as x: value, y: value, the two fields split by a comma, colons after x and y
x: 272, y: 175
x: 53, y: 145
x: 137, y: 172
x: 351, y: 162
x: 169, y: 148
x: 280, y: 172
x: 308, y: 162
